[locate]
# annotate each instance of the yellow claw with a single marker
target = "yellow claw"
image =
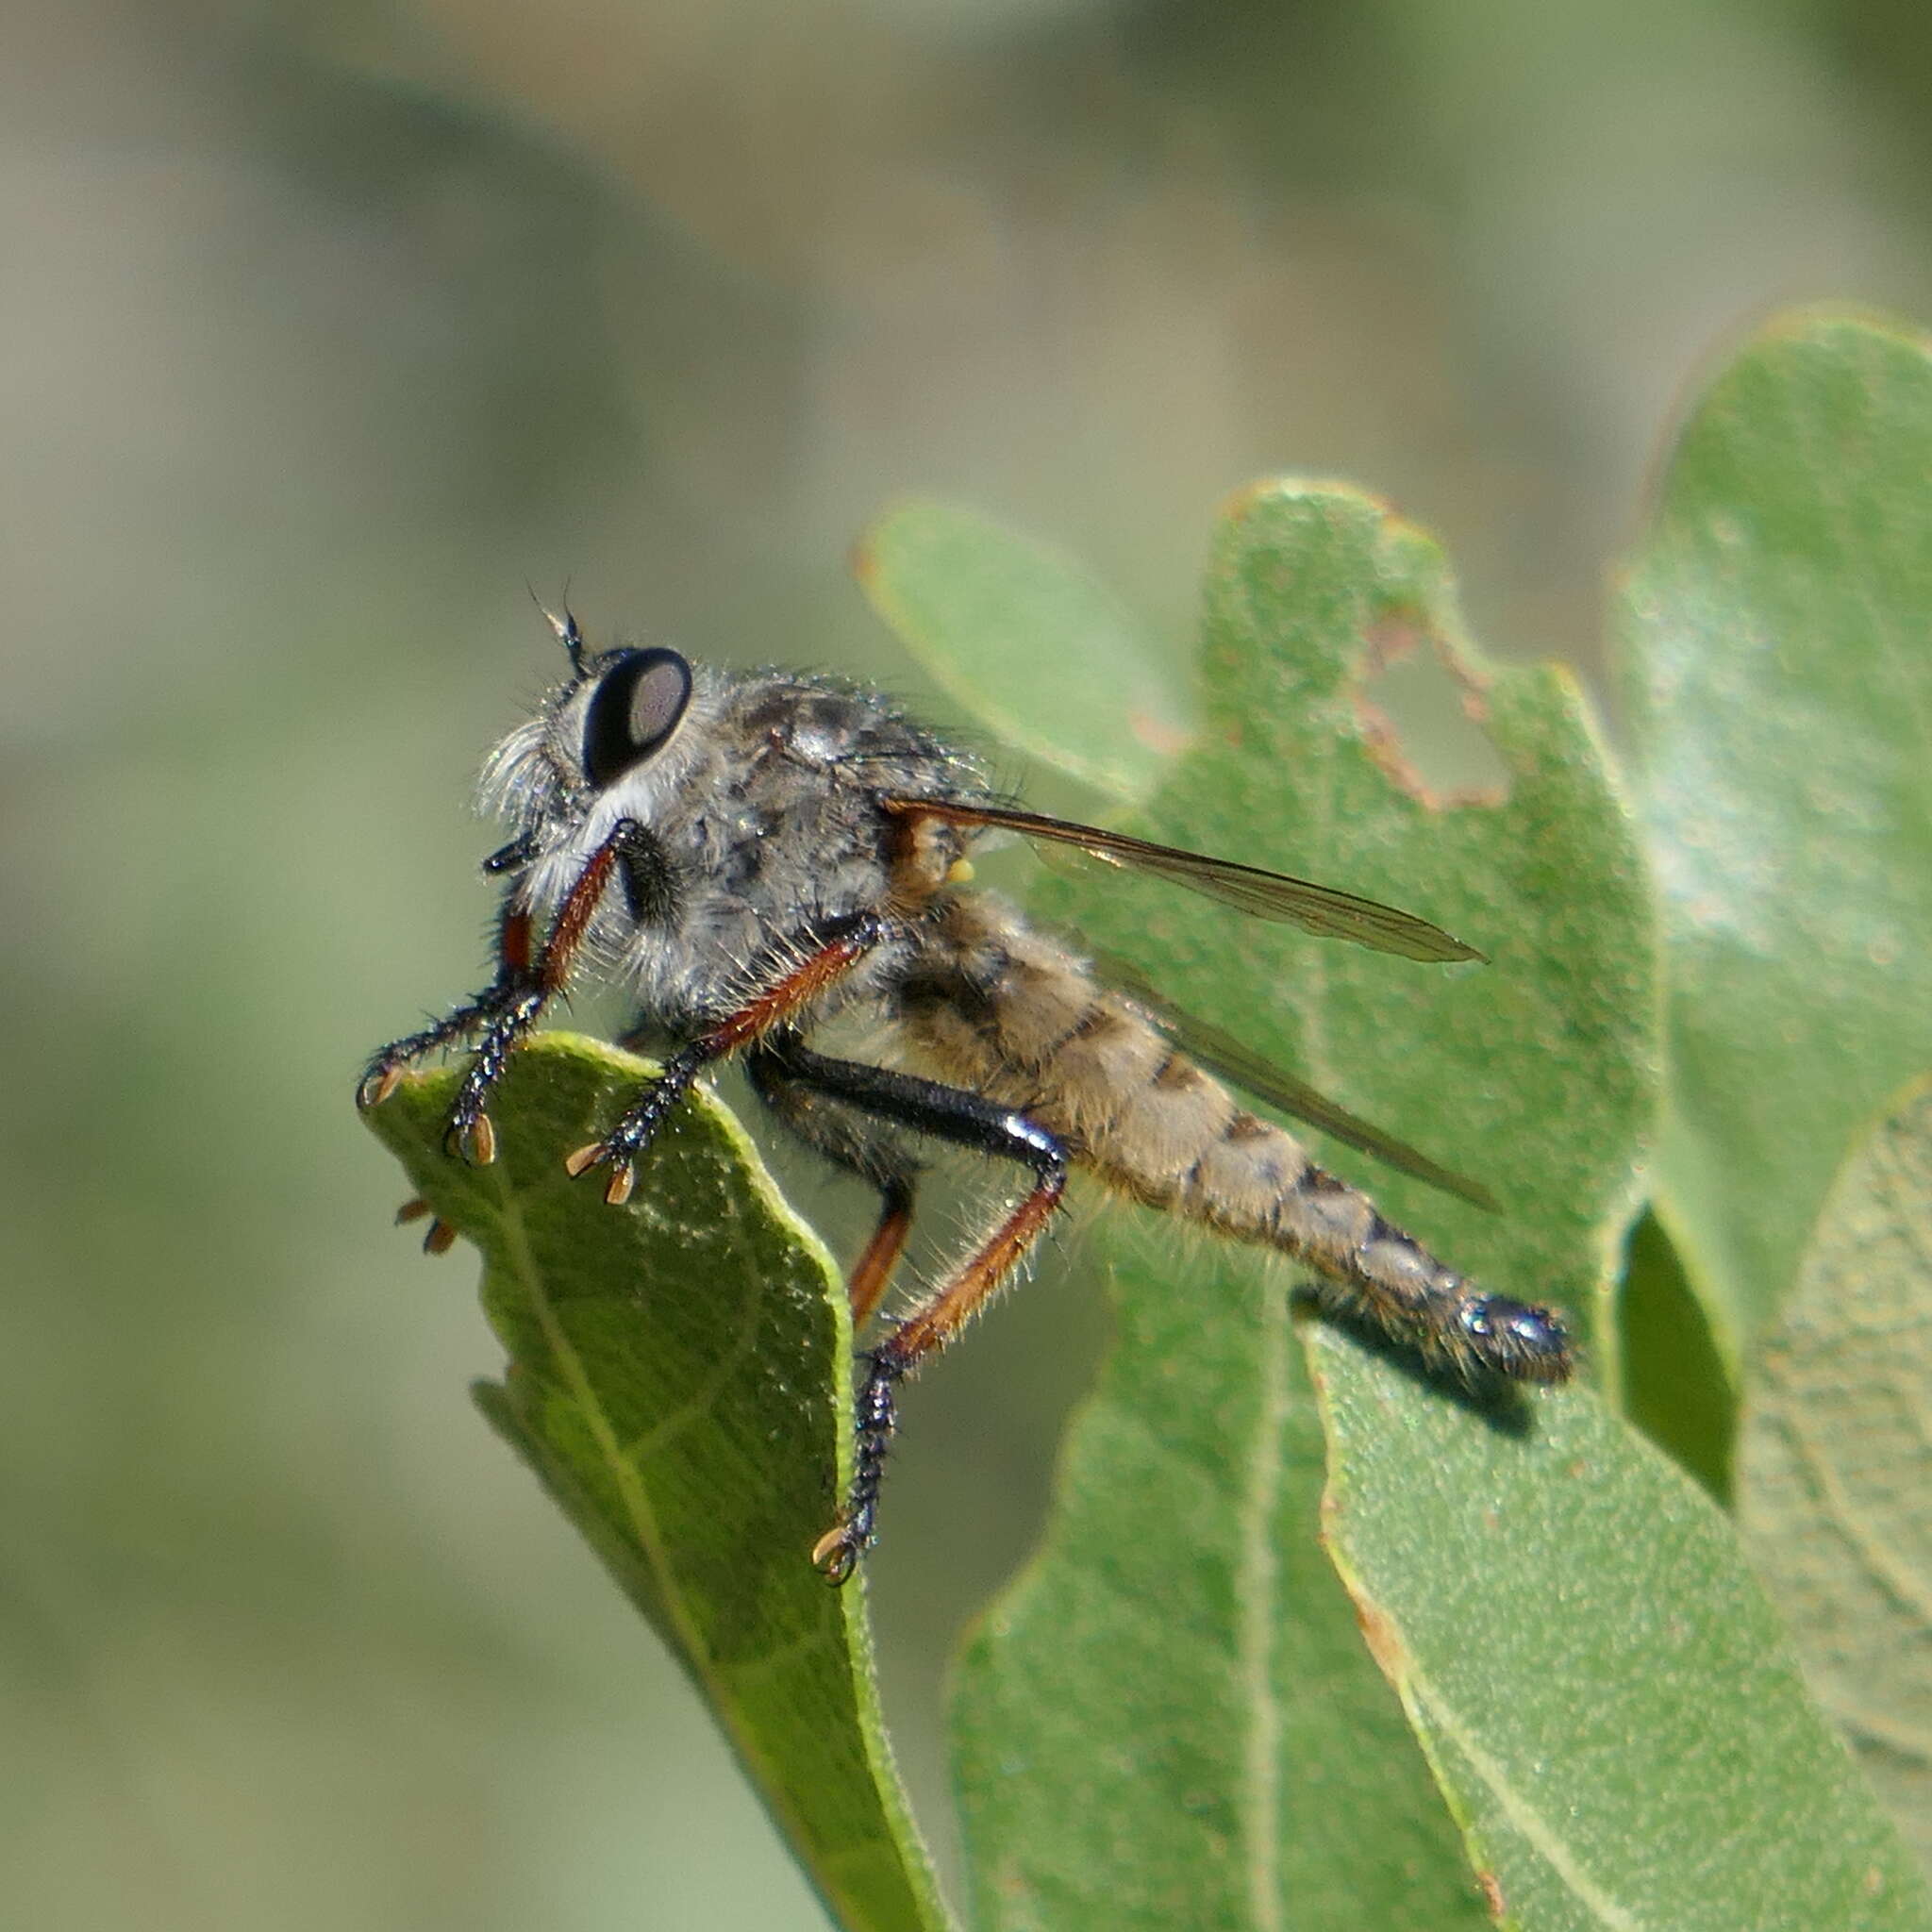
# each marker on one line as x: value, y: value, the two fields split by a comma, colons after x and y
x: 583, y: 1159
x: 441, y: 1239
x: 835, y: 1554
x: 622, y: 1180
x: 412, y: 1209
x: 483, y: 1140
x: 384, y: 1085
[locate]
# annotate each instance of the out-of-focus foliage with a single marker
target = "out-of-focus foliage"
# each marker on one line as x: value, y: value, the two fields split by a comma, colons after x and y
x: 1835, y: 1467
x: 1611, y: 1705
x: 1778, y: 631
x: 331, y: 326
x: 1025, y: 642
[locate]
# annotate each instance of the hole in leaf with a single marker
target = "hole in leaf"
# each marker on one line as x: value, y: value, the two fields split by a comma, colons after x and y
x: 1423, y: 718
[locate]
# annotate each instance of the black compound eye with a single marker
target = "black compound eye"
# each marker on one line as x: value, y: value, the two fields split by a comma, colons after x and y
x: 636, y: 706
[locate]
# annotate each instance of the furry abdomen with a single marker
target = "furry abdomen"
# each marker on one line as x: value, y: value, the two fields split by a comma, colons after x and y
x: 999, y: 1007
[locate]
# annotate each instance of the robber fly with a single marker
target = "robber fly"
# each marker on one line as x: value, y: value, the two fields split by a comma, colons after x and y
x: 750, y: 854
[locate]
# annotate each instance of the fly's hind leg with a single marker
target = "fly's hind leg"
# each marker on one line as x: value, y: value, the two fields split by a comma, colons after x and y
x: 856, y: 1146
x: 966, y: 1120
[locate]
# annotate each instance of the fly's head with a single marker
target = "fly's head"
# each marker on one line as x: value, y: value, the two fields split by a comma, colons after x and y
x: 617, y: 742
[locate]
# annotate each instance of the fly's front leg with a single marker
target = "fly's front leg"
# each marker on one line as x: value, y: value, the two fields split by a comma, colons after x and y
x: 525, y: 982
x: 966, y: 1120
x: 499, y: 1013
x: 823, y: 958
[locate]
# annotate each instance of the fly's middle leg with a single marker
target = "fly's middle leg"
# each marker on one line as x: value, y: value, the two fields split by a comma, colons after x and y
x: 871, y: 1273
x: 812, y: 967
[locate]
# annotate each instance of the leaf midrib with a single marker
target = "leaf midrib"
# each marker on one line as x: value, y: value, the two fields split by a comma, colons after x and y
x: 1429, y: 1709
x: 642, y: 1518
x: 1260, y: 1612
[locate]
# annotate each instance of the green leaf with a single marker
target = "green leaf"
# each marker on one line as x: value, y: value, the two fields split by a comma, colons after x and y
x: 1779, y: 686
x: 1594, y: 1671
x: 1170, y: 1719
x: 1834, y: 1460
x: 677, y: 1377
x: 1025, y: 639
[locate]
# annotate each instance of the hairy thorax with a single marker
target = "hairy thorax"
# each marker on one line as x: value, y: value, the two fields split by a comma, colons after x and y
x: 773, y: 831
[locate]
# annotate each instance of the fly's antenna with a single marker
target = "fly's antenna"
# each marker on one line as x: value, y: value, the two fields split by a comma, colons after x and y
x: 568, y: 634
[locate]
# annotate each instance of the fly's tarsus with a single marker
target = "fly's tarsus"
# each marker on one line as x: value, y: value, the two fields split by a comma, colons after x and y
x: 468, y: 1134
x: 623, y: 1175
x: 837, y: 1552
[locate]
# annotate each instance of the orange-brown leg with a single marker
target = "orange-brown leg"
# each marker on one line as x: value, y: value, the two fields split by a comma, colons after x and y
x: 526, y: 981
x: 788, y: 994
x: 944, y: 1312
x: 813, y: 1111
x: 536, y: 981
x: 924, y: 1333
x: 871, y: 1275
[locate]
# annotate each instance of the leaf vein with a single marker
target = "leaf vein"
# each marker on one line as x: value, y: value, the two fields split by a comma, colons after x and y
x: 1536, y: 1831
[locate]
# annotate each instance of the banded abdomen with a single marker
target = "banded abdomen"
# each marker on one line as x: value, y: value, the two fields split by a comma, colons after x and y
x: 1008, y: 1012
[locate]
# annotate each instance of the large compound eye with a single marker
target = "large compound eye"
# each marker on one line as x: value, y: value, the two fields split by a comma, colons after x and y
x: 635, y: 707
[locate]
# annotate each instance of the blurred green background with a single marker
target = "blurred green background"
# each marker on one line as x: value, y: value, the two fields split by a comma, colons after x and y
x: 324, y: 329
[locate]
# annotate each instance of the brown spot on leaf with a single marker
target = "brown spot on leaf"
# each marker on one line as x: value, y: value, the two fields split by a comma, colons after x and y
x: 1157, y: 734
x: 1383, y: 1638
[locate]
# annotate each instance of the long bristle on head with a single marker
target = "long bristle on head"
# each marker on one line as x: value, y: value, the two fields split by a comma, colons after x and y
x: 569, y: 634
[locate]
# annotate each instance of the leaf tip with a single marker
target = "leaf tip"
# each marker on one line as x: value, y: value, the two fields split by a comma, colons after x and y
x: 1241, y: 505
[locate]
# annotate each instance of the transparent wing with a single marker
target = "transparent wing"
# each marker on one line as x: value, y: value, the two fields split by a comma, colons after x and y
x: 1242, y: 1066
x: 1266, y: 894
